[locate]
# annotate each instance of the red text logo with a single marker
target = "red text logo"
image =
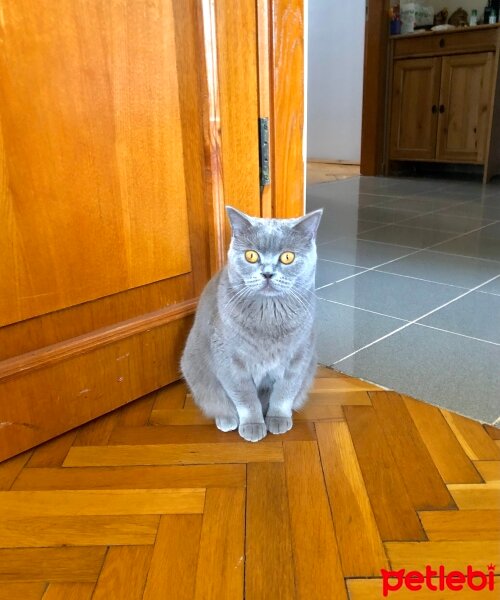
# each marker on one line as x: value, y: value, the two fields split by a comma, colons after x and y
x: 438, y: 580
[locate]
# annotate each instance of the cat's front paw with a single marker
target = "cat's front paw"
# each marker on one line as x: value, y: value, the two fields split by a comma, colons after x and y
x: 253, y: 432
x: 278, y: 424
x: 226, y: 423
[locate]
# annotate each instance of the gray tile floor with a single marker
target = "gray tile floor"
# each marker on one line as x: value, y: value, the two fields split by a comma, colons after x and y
x: 408, y: 286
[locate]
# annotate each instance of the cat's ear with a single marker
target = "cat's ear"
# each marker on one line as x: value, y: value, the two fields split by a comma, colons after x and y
x: 240, y: 222
x: 308, y: 225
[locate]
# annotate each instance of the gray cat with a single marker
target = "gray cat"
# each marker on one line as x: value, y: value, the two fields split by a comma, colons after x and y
x: 249, y: 358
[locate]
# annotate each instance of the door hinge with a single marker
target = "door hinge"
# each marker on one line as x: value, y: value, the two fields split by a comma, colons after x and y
x: 265, y: 176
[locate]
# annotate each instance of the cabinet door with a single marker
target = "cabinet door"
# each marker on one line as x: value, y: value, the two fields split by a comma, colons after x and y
x: 415, y: 94
x: 464, y: 107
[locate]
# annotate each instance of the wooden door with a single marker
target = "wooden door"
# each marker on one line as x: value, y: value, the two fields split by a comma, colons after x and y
x: 124, y: 129
x: 415, y: 98
x: 465, y: 104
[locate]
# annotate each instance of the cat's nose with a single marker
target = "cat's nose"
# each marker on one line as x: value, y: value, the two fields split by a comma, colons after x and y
x: 267, y: 275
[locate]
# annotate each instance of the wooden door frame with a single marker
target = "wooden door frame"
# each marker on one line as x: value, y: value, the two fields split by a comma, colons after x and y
x: 374, y: 87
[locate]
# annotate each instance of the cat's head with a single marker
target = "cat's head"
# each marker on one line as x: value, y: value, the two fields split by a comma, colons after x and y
x: 272, y: 256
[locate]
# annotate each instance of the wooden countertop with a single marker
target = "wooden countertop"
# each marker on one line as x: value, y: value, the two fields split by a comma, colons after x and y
x: 427, y: 33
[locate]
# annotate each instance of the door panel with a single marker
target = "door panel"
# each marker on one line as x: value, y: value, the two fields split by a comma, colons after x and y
x: 93, y: 184
x: 465, y: 97
x: 414, y: 120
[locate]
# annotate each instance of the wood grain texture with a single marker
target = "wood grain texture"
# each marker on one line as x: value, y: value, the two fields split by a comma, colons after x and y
x: 69, y: 591
x: 53, y: 452
x: 476, y: 443
x: 101, y: 502
x: 351, y: 510
x: 76, y: 530
x: 10, y: 469
x: 222, y: 545
x: 22, y: 591
x: 447, y: 453
x: 175, y: 557
x: 369, y: 589
x: 174, y: 454
x: 124, y: 573
x: 269, y: 572
x: 493, y: 432
x: 384, y: 482
x: 287, y: 101
x: 470, y: 496
x: 51, y: 564
x: 489, y: 469
x: 317, y: 574
x: 138, y: 477
x: 73, y: 211
x: 467, y: 525
x: 423, y: 482
x: 453, y: 555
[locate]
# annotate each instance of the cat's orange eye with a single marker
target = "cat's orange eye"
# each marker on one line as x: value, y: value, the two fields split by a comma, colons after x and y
x: 251, y: 256
x: 287, y: 258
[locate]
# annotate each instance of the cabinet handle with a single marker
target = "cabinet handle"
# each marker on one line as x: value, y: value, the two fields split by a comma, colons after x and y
x: 442, y: 43
x: 434, y: 109
x: 441, y: 108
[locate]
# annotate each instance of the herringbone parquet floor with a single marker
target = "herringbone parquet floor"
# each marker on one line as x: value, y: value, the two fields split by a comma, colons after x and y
x: 153, y: 502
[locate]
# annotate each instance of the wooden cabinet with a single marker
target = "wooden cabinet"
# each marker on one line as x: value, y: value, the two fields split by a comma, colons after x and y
x: 464, y: 107
x: 443, y: 102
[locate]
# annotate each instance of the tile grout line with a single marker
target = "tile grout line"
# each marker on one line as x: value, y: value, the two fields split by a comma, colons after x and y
x: 464, y: 335
x: 416, y: 251
x: 373, y: 312
x: 416, y: 320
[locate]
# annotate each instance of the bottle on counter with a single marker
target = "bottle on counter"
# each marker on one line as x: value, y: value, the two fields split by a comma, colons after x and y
x: 473, y: 17
x: 487, y: 13
x: 493, y: 17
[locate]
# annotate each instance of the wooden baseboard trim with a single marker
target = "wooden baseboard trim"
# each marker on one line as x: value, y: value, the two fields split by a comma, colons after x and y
x: 25, y: 363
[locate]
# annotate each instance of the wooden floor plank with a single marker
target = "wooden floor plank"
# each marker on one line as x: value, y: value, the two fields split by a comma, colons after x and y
x: 338, y: 398
x: 51, y: 564
x: 171, y: 396
x: 447, y: 453
x: 136, y: 413
x: 318, y: 574
x: 76, y: 530
x: 101, y: 502
x: 488, y: 469
x: 269, y: 568
x: 480, y: 496
x: 372, y: 589
x: 465, y: 525
x: 392, y: 507
x: 351, y: 509
x: 141, y: 477
x: 174, y: 454
x: 452, y: 555
x: 477, y: 444
x: 493, y: 432
x: 198, y: 434
x: 342, y: 384
x: 69, y: 591
x: 423, y: 482
x: 222, y: 547
x: 22, y: 591
x: 175, y: 558
x: 97, y: 432
x: 124, y: 573
x: 11, y: 468
x: 179, y: 416
x: 323, y: 371
x: 53, y: 452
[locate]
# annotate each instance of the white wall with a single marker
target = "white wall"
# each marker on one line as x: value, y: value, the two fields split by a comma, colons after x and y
x: 335, y: 79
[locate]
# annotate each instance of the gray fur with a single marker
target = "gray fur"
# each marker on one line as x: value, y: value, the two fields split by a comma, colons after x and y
x: 249, y: 358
